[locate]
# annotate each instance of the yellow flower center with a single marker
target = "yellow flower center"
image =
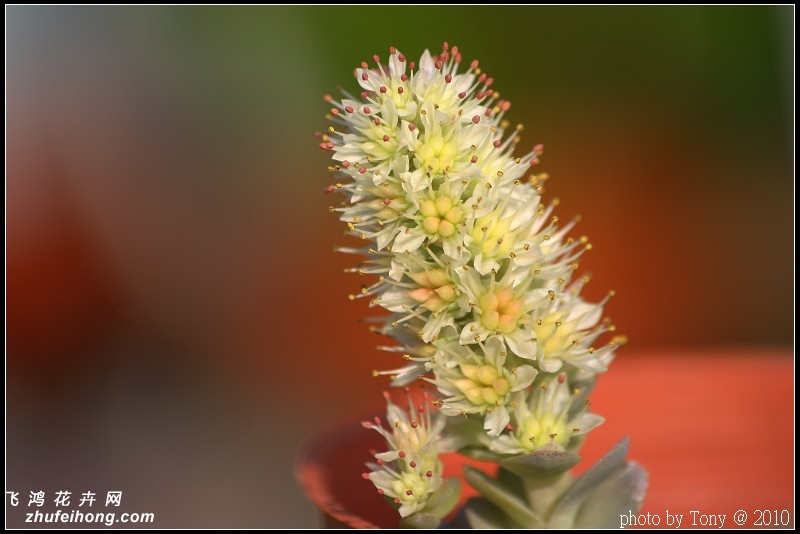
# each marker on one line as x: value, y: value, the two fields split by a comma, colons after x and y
x: 539, y: 431
x: 492, y: 235
x: 500, y: 311
x: 553, y: 333
x: 482, y: 384
x: 436, y: 154
x: 440, y: 216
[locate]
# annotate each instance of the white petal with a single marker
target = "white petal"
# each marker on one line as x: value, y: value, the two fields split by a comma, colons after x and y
x: 589, y: 421
x: 550, y: 365
x: 452, y: 246
x: 520, y: 342
x: 525, y: 374
x: 495, y: 422
x: 485, y: 265
x: 409, y: 239
x: 471, y: 331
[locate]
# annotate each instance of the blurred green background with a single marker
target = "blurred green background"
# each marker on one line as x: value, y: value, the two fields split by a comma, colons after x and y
x: 176, y: 319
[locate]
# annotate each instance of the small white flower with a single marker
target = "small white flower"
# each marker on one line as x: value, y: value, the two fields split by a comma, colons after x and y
x: 479, y: 382
x: 502, y: 308
x: 410, y: 470
x: 547, y: 418
x: 565, y: 328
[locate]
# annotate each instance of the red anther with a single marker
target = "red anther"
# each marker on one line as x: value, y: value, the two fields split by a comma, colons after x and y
x: 323, y: 146
x: 429, y: 474
x: 380, y: 462
x: 413, y: 464
x: 448, y: 78
x: 404, y: 77
x: 334, y: 111
x: 364, y: 65
x: 534, y: 161
x: 454, y: 51
x: 362, y: 170
x: 328, y: 98
x: 409, y: 492
x: 348, y: 109
x: 474, y: 64
x: 364, y: 76
x: 474, y: 159
x: 385, y: 138
x: 392, y: 50
x: 538, y: 149
x: 367, y: 110
x: 364, y: 94
x: 414, y: 424
x: 377, y: 121
x: 412, y: 65
x: 387, y: 201
x: 330, y: 189
x: 479, y: 95
x: 412, y: 126
x: 345, y: 164
x: 380, y: 491
x: 488, y: 112
x: 462, y: 94
x: 376, y: 58
x: 445, y: 46
x: 437, y: 64
x: 505, y: 105
x: 490, y: 92
x: 476, y: 119
x: 402, y: 454
x: 482, y: 77
x: 489, y: 82
x: 365, y: 476
x: 509, y: 428
x: 399, y: 90
x: 497, y: 143
x: 382, y: 89
x: 561, y: 378
x: 402, y: 58
x: 329, y: 145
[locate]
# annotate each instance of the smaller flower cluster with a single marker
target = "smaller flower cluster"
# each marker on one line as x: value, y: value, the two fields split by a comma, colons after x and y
x: 410, y: 471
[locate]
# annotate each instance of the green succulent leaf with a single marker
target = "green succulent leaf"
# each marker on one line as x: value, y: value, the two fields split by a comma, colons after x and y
x: 444, y: 499
x: 420, y: 520
x: 504, y: 497
x: 566, y: 510
x: 621, y: 493
x: 546, y: 462
x: 480, y: 513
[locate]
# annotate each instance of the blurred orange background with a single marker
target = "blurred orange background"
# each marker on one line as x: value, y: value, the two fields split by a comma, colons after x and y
x: 177, y: 322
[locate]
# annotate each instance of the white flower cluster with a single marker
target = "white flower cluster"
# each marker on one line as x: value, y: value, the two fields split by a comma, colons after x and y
x: 473, y: 267
x: 410, y: 471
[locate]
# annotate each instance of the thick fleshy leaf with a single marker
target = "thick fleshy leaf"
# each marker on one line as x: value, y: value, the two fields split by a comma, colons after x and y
x: 510, y: 502
x: 444, y: 499
x: 623, y: 492
x: 420, y: 520
x: 566, y: 510
x: 480, y: 513
x: 546, y: 462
